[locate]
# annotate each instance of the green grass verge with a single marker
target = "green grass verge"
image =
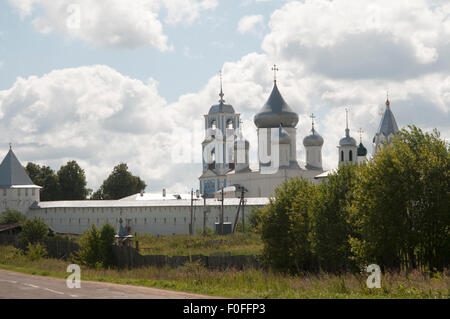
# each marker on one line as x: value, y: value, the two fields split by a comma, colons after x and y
x: 249, y: 283
x: 184, y: 245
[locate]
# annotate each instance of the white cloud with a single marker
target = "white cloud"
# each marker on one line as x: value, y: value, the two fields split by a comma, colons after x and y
x: 251, y: 23
x: 113, y: 23
x: 101, y: 117
x: 349, y: 38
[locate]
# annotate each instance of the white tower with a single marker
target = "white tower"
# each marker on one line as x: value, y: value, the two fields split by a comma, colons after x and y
x: 221, y: 124
x: 313, y: 145
x: 387, y: 129
x: 347, y: 147
x: 17, y: 191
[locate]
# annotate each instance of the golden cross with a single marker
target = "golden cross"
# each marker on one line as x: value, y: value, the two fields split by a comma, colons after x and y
x: 275, y: 69
x: 360, y: 134
x: 312, y: 118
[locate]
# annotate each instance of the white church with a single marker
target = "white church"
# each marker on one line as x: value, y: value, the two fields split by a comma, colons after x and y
x: 225, y: 167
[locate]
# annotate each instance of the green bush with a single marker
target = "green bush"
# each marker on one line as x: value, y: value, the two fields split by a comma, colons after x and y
x: 34, y: 231
x: 96, y: 247
x: 36, y: 251
x: 11, y: 217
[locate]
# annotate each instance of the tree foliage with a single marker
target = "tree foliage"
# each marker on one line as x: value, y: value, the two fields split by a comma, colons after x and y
x: 96, y: 247
x: 45, y: 177
x: 331, y: 220
x: 11, y: 217
x: 72, y: 181
x: 34, y: 231
x: 285, y: 227
x: 392, y: 211
x: 402, y: 203
x: 119, y: 184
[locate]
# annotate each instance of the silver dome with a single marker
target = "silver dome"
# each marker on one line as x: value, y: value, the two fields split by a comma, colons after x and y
x: 347, y: 140
x: 283, y: 136
x: 313, y: 140
x: 275, y: 112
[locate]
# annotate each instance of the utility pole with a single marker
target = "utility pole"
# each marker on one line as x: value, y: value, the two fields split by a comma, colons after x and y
x: 243, y: 215
x: 222, y: 213
x: 204, y: 214
x: 192, y: 210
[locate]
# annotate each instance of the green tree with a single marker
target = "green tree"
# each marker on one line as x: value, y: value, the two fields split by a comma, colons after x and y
x: 285, y: 228
x: 34, y: 231
x: 331, y: 223
x: 402, y: 202
x: 72, y: 181
x: 107, y: 237
x: 119, y: 184
x: 96, y: 247
x: 90, y: 248
x: 12, y: 217
x: 44, y: 176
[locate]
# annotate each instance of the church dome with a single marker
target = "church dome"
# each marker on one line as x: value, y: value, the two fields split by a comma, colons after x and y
x: 314, y: 139
x: 283, y: 136
x: 347, y: 140
x: 362, y: 151
x: 275, y: 112
x: 221, y: 108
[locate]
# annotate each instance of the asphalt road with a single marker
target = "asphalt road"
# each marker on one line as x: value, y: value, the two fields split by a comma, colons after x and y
x: 14, y: 285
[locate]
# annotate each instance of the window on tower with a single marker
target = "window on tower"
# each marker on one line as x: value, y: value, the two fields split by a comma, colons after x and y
x: 213, y: 124
x: 350, y: 156
x: 342, y: 156
x: 230, y: 124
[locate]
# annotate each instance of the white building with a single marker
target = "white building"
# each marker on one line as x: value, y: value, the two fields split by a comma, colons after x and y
x: 17, y: 191
x: 164, y: 214
x: 225, y: 151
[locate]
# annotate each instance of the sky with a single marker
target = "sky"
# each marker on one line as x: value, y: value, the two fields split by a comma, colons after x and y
x: 110, y: 81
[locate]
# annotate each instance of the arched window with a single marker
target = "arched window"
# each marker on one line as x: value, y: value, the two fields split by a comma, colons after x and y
x: 230, y: 123
x: 342, y: 156
x: 213, y: 124
x: 350, y: 156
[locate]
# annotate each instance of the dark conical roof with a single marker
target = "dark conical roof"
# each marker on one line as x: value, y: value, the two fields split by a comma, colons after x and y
x: 388, y: 125
x: 275, y: 112
x: 12, y: 173
x: 362, y: 151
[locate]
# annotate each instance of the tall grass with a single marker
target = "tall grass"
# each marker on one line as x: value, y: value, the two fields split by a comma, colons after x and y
x: 183, y: 245
x: 247, y: 283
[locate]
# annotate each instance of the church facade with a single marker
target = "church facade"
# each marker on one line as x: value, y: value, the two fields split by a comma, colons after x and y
x: 226, y: 152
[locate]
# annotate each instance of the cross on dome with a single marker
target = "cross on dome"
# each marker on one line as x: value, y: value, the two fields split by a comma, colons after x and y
x: 275, y: 69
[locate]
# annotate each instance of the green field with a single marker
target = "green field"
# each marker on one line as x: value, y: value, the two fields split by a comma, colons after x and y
x: 248, y: 283
x: 184, y: 245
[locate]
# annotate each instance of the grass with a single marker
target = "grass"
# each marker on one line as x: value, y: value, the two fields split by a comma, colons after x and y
x: 184, y: 245
x: 248, y: 283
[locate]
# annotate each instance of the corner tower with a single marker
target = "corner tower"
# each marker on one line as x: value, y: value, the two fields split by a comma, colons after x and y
x: 17, y: 190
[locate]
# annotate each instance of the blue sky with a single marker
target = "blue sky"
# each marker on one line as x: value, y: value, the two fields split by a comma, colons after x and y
x: 199, y: 49
x: 132, y: 82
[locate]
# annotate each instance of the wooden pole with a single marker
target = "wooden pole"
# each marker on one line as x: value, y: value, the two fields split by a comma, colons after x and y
x: 192, y: 203
x: 204, y: 214
x: 222, y: 213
